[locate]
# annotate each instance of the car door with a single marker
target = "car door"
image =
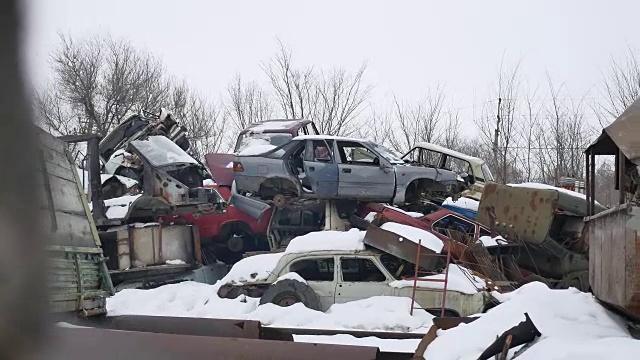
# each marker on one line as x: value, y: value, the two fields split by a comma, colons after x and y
x: 360, y: 278
x: 320, y: 274
x: 321, y: 169
x: 360, y: 176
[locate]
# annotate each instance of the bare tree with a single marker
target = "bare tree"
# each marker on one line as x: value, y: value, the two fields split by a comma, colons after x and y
x: 201, y: 117
x: 376, y: 127
x: 418, y: 122
x: 332, y: 99
x: 621, y: 87
x: 247, y: 103
x: 97, y: 82
x: 562, y: 137
x: 451, y: 133
x: 498, y: 123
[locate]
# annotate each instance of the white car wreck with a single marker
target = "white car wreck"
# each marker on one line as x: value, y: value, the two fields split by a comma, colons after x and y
x: 337, y: 268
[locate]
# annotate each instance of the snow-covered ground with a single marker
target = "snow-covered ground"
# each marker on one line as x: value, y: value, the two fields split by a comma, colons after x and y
x: 573, y: 324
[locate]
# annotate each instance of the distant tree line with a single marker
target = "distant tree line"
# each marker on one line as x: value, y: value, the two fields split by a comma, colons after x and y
x: 526, y: 133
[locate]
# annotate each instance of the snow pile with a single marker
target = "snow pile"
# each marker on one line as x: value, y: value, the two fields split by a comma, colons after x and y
x: 291, y: 276
x: 117, y: 208
x: 252, y: 269
x: 351, y: 240
x: 385, y: 345
x: 208, y: 182
x: 460, y: 279
x: 410, y: 213
x: 572, y: 323
x: 414, y: 234
x: 190, y: 299
x: 463, y: 202
x: 391, y: 314
x: 488, y: 241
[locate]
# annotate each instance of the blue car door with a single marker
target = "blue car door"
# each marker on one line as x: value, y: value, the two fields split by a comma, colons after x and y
x: 321, y: 169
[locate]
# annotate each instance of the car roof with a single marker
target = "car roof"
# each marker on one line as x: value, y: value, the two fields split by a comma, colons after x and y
x: 276, y: 125
x: 442, y: 149
x: 330, y: 137
x: 367, y: 251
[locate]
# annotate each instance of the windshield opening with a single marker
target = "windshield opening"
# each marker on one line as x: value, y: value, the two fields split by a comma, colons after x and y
x: 275, y: 139
x: 388, y: 154
x: 161, y: 151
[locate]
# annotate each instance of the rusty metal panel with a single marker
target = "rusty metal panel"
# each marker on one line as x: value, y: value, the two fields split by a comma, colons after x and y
x: 614, y: 258
x: 392, y: 243
x: 518, y: 212
x: 153, y: 244
x: 74, y: 343
x: 625, y: 132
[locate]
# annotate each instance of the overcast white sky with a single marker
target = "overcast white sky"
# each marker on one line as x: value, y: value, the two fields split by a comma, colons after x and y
x: 409, y: 45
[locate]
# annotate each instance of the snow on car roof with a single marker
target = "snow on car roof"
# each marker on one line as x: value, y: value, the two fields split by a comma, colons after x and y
x: 273, y: 125
x: 351, y: 240
x: 447, y: 151
x: 414, y: 234
x: 329, y: 137
x: 253, y: 268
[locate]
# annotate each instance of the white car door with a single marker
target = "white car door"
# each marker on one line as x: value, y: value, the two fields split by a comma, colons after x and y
x: 320, y: 274
x: 360, y: 277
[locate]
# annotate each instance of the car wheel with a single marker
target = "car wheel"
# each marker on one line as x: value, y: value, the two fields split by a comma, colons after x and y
x: 288, y: 292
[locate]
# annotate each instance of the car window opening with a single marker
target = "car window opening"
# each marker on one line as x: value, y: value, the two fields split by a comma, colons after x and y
x: 320, y: 269
x: 360, y: 270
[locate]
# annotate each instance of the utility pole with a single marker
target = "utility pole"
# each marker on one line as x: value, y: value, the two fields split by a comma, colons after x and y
x: 497, y: 135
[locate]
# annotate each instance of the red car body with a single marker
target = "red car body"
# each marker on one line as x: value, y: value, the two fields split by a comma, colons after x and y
x: 436, y: 222
x: 219, y: 227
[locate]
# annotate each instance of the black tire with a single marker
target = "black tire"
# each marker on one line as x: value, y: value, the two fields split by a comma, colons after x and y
x: 288, y: 292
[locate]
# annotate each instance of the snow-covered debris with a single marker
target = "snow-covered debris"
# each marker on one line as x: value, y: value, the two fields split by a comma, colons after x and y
x: 84, y: 179
x: 460, y: 279
x: 175, y: 262
x: 117, y: 208
x: 229, y: 165
x: 208, y: 182
x: 190, y: 299
x: 463, y: 202
x: 549, y: 187
x: 410, y: 213
x: 385, y: 345
x: 370, y: 216
x: 252, y: 269
x: 291, y: 276
x: 488, y: 241
x: 351, y: 240
x: 414, y: 234
x: 570, y: 322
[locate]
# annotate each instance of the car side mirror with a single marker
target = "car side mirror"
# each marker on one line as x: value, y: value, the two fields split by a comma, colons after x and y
x: 376, y: 161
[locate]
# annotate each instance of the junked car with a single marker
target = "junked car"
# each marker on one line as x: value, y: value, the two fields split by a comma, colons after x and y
x: 321, y: 278
x: 432, y: 155
x: 257, y: 138
x: 330, y: 167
